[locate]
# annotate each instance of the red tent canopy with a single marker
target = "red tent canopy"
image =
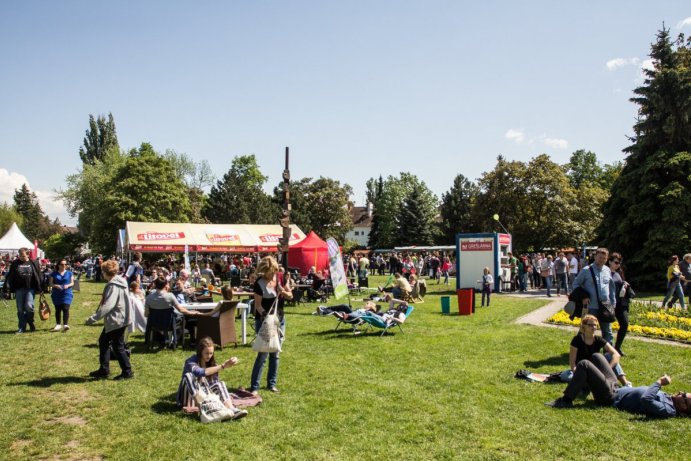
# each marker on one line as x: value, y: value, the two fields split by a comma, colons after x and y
x: 311, y: 251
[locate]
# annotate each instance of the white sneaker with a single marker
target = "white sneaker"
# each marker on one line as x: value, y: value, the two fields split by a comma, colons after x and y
x: 65, y: 328
x: 57, y: 328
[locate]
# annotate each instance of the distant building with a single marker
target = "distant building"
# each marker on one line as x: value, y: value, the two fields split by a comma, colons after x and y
x: 362, y: 224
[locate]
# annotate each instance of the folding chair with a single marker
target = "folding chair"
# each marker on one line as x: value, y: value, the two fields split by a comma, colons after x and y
x: 377, y: 321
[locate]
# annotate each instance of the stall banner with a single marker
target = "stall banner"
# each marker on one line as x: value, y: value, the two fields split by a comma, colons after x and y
x: 476, y: 245
x: 338, y: 278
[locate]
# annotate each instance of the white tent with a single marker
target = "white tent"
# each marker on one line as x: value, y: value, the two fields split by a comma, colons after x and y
x: 14, y: 240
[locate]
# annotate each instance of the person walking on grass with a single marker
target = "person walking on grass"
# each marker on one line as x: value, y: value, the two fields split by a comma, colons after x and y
x: 24, y: 280
x: 675, y: 279
x: 115, y: 309
x: 61, y: 282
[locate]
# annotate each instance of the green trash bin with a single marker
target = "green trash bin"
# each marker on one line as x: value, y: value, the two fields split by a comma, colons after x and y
x: 445, y: 304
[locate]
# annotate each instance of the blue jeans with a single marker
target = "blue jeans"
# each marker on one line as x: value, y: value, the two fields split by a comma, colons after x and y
x: 258, y: 367
x: 674, y: 290
x: 562, y: 283
x: 605, y: 327
x: 548, y: 284
x: 25, y: 307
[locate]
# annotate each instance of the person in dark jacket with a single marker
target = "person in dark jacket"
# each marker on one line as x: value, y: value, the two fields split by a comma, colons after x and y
x: 624, y: 294
x: 24, y: 280
x: 597, y: 376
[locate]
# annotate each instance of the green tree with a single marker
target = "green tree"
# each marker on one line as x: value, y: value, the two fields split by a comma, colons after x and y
x: 36, y: 225
x: 9, y: 215
x: 239, y: 198
x: 328, y: 205
x: 320, y: 205
x: 144, y: 188
x: 648, y: 215
x: 61, y: 245
x: 534, y: 202
x: 388, y: 202
x: 415, y: 227
x: 457, y: 209
x: 99, y: 139
x: 197, y: 176
x: 87, y: 190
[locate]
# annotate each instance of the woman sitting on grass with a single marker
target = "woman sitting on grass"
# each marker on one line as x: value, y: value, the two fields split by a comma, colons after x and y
x: 585, y: 344
x: 200, y: 365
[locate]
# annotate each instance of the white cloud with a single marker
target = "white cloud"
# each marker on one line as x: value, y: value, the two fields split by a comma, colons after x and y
x: 515, y: 135
x: 50, y: 204
x: 614, y: 64
x: 647, y: 64
x: 556, y: 143
x: 684, y: 22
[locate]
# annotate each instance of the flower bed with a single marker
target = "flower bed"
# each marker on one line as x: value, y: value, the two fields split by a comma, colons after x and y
x: 646, y: 319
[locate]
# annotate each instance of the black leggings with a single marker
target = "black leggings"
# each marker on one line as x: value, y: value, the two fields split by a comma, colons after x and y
x: 64, y: 310
x: 622, y: 315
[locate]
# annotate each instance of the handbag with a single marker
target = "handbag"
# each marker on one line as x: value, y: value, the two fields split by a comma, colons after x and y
x: 268, y: 337
x: 605, y: 312
x: 211, y: 409
x: 43, y: 307
x: 570, y: 308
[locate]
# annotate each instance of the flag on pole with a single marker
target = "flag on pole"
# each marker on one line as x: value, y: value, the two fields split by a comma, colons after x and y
x: 338, y: 278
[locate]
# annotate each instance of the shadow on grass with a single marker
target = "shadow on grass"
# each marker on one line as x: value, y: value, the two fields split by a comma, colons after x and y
x: 166, y: 405
x: 557, y: 360
x: 49, y: 381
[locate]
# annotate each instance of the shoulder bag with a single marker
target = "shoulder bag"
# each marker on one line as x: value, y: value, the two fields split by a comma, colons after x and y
x: 605, y: 312
x: 268, y: 337
x: 43, y: 307
x: 211, y: 409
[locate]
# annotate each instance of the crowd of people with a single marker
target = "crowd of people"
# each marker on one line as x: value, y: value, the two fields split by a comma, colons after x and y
x: 594, y: 361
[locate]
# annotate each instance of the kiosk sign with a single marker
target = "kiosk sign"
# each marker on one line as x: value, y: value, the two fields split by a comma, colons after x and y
x: 479, y: 245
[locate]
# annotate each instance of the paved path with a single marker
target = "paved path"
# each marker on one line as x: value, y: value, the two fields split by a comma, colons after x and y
x: 539, y: 316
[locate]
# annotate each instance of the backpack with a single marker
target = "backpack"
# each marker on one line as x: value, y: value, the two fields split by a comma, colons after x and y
x: 138, y: 271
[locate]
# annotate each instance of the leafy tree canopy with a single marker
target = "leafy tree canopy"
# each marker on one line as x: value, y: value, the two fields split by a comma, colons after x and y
x: 239, y: 197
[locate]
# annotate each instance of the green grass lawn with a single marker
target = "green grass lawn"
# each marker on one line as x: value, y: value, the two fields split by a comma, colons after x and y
x: 442, y: 390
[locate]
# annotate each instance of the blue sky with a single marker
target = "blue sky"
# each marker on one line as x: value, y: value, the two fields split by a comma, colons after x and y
x: 355, y: 88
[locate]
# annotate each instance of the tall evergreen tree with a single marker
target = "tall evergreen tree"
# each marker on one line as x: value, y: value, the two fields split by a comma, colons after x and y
x: 36, y: 224
x: 239, y: 198
x: 415, y: 227
x: 375, y: 190
x: 100, y: 137
x: 457, y: 209
x: 648, y: 215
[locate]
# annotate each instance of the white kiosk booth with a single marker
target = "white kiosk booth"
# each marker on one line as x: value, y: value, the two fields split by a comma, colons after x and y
x: 474, y: 252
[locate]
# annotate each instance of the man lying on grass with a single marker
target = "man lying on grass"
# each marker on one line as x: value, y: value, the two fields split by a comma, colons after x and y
x: 596, y: 375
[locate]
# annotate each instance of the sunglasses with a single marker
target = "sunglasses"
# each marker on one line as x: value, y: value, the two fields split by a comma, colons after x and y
x: 616, y: 261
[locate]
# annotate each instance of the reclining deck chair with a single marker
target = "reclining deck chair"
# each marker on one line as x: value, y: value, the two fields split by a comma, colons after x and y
x: 377, y: 321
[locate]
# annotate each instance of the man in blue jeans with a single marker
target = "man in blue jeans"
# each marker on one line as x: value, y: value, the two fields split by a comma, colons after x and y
x: 24, y: 279
x: 599, y: 285
x: 596, y: 375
